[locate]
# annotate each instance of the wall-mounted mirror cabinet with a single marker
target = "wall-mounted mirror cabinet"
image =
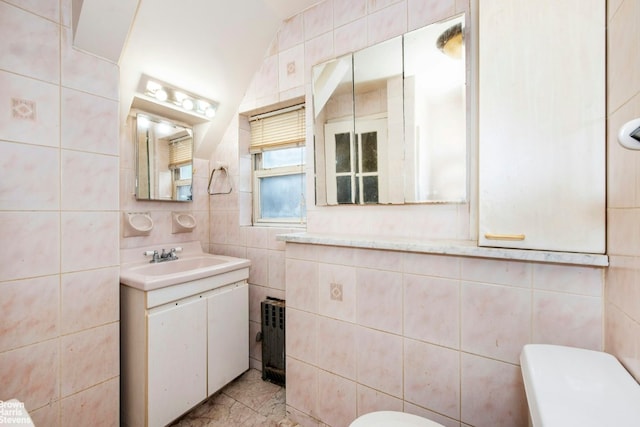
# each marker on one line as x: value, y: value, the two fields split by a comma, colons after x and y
x: 164, y: 159
x: 390, y: 120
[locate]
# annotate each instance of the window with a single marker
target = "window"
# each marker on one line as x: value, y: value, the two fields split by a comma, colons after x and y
x: 279, y: 155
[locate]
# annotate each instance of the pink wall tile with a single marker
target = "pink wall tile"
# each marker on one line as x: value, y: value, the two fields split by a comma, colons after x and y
x: 621, y: 65
x: 318, y: 50
x: 257, y: 237
x: 32, y: 44
x: 432, y: 265
x: 379, y: 300
x: 432, y: 377
x: 336, y: 344
x: 33, y: 235
x: 623, y: 231
x: 89, y: 240
x: 492, y: 393
x: 30, y: 110
x: 379, y: 260
x: 276, y: 269
x: 302, y: 285
x: 302, y: 386
x: 496, y: 320
x: 430, y: 415
x: 259, y: 271
x: 291, y: 32
x: 35, y: 187
x: 379, y: 361
x: 291, y: 68
x: 574, y: 279
x: 375, y: 5
x: 350, y: 37
x: 302, y: 335
x: 513, y: 273
x: 424, y: 12
x: 621, y: 338
x: 387, y: 23
x: 49, y: 9
x: 99, y: 405
x: 336, y: 399
x: 622, y: 287
x: 88, y: 181
x: 370, y: 400
x: 80, y: 371
x: 256, y: 295
x: 48, y: 415
x: 89, y: 122
x: 89, y: 298
x: 318, y: 19
x: 30, y: 374
x: 86, y: 72
x: 336, y: 255
x: 337, y: 291
x: 431, y: 310
x: 564, y: 319
x: 255, y: 346
x: 29, y: 311
x: 348, y: 11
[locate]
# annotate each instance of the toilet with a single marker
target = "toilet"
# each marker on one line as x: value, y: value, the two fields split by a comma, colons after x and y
x: 567, y: 386
x: 392, y: 418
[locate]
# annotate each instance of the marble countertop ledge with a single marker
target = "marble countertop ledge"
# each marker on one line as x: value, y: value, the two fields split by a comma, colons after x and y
x: 468, y: 248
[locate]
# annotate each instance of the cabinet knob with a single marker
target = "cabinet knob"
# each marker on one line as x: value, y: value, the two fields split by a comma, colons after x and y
x: 494, y: 236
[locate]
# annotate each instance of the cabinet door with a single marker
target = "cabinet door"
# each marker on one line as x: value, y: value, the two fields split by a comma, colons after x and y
x: 541, y: 124
x: 228, y: 329
x: 177, y: 360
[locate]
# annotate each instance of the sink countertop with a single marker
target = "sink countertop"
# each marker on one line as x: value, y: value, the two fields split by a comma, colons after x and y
x: 192, y: 264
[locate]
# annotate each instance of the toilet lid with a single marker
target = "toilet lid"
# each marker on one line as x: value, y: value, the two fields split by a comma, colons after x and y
x: 392, y: 418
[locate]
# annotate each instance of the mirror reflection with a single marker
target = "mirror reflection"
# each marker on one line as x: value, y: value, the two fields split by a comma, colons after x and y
x: 390, y: 120
x: 164, y: 159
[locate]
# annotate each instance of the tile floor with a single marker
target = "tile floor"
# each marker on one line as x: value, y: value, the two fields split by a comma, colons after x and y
x: 246, y: 402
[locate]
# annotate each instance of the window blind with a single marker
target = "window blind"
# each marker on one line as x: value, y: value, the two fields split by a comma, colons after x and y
x: 278, y: 129
x: 180, y: 152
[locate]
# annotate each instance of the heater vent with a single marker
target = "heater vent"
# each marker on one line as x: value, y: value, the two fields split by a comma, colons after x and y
x: 273, y: 340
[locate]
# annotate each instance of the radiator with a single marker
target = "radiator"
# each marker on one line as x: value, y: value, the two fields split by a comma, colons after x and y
x: 273, y: 340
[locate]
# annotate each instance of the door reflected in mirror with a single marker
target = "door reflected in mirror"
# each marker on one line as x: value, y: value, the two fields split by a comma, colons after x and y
x: 390, y: 120
x: 164, y: 159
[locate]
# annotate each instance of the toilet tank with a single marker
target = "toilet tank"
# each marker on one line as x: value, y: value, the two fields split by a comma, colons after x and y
x: 568, y: 386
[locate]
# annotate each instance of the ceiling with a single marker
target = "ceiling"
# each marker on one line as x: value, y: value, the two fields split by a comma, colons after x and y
x: 208, y: 47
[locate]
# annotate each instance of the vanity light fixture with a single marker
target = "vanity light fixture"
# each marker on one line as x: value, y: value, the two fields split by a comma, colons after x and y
x: 169, y: 95
x: 451, y: 41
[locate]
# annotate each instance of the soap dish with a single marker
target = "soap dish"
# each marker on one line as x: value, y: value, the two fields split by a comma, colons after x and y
x: 183, y: 222
x: 137, y: 224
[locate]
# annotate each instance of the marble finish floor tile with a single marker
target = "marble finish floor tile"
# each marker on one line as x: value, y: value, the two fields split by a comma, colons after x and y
x: 248, y: 401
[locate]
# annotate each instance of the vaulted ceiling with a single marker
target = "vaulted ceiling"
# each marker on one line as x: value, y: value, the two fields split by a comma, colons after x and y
x: 209, y: 47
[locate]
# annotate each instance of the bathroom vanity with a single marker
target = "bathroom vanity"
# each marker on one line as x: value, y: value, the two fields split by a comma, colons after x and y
x: 181, y: 341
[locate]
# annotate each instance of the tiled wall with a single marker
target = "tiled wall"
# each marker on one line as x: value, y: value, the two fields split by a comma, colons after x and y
x: 438, y: 336
x: 59, y: 221
x: 622, y: 326
x: 368, y: 330
x: 232, y: 234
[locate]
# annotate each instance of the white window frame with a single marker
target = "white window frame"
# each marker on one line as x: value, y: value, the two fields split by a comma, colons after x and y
x: 259, y: 172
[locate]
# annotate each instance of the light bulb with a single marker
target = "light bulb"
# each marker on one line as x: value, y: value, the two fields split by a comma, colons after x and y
x: 187, y: 104
x: 210, y: 112
x: 161, y: 95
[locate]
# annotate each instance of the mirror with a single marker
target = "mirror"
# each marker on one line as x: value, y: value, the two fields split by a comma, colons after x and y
x: 390, y: 120
x: 164, y: 159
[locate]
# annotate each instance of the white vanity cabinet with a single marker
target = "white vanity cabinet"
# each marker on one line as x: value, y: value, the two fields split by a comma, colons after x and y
x: 180, y: 344
x: 542, y: 124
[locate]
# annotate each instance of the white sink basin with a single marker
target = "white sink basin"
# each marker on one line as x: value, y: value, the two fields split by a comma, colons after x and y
x: 193, y: 265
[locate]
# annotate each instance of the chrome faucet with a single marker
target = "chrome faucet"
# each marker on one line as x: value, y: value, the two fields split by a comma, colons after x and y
x: 164, y: 256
